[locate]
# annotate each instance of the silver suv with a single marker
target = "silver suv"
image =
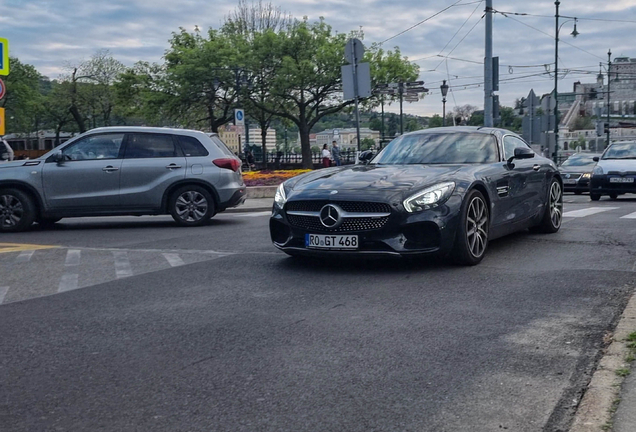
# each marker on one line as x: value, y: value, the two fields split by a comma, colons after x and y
x: 123, y: 171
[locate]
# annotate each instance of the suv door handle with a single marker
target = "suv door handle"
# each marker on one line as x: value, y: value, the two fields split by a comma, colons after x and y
x: 110, y: 168
x: 173, y: 166
x: 536, y: 167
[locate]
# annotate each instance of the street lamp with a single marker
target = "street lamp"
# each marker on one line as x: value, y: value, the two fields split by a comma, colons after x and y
x: 574, y: 33
x: 444, y: 89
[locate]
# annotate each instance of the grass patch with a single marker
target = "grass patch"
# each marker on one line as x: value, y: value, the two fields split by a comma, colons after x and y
x: 623, y: 372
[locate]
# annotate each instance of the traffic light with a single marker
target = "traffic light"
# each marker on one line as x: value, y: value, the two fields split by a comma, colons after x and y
x: 606, y: 127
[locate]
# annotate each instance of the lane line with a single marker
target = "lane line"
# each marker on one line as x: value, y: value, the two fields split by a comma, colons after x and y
x: 588, y: 211
x: 73, y: 257
x: 122, y: 265
x: 25, y: 256
x: 173, y: 259
x: 70, y: 281
x: 256, y: 214
x: 19, y: 247
x: 629, y: 216
x: 3, y: 292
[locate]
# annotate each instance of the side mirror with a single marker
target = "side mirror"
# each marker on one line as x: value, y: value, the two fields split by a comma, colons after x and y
x: 366, y: 156
x: 595, y: 159
x: 522, y: 153
x: 59, y: 157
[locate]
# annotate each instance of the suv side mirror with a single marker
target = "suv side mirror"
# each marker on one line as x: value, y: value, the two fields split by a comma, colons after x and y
x: 595, y: 159
x: 521, y: 153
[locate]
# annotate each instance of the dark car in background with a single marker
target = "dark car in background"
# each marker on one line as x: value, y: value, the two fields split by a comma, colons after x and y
x: 576, y: 172
x: 436, y: 191
x: 615, y: 171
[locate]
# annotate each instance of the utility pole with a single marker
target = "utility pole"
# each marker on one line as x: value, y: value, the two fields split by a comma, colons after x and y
x: 556, y: 83
x: 401, y: 90
x: 609, y: 80
x: 488, y: 121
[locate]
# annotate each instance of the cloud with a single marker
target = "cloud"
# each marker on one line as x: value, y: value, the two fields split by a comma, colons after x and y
x: 50, y: 34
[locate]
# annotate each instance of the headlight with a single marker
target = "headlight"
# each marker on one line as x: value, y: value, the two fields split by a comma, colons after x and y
x: 429, y: 197
x: 597, y: 170
x: 280, y: 198
x: 586, y: 175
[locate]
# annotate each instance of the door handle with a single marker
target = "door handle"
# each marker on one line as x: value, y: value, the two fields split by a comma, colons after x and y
x: 110, y: 168
x: 173, y: 166
x: 536, y: 167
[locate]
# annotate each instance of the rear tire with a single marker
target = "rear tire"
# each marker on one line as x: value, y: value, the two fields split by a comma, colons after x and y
x: 553, y: 214
x: 595, y: 197
x: 191, y: 206
x: 17, y: 210
x: 613, y: 196
x: 471, y: 238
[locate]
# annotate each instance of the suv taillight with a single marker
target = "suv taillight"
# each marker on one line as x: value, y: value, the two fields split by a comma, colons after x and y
x: 227, y: 163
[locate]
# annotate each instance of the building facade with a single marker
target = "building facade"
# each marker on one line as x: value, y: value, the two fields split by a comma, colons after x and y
x: 270, y: 139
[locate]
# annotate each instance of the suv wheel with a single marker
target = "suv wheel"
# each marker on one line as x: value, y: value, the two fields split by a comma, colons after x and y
x: 17, y: 210
x: 191, y: 206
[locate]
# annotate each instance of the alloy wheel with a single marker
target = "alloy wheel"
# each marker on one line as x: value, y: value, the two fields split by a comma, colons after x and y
x: 477, y: 227
x: 556, y: 204
x: 11, y: 211
x: 191, y: 206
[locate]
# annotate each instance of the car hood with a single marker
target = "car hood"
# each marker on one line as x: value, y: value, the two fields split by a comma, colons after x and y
x: 374, y: 177
x: 617, y: 164
x: 13, y: 164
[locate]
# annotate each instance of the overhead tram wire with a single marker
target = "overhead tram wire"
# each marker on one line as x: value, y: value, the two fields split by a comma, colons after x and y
x: 460, y: 28
x: 552, y: 16
x: 459, y: 43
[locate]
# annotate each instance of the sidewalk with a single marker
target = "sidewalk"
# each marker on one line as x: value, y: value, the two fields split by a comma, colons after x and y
x: 625, y: 417
x: 253, y: 205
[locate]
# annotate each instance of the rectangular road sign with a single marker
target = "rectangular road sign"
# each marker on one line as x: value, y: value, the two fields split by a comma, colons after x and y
x: 4, y: 56
x: 1, y: 121
x: 364, y: 81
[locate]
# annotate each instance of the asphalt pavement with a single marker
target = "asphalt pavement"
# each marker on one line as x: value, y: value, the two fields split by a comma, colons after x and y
x: 136, y: 324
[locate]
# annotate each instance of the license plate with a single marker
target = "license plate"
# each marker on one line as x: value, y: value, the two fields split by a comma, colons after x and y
x: 569, y: 181
x: 336, y: 242
x: 621, y: 179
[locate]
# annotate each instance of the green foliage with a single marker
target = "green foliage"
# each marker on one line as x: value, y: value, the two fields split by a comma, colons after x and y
x: 435, y: 121
x: 23, y: 100
x: 582, y: 123
x: 367, y: 144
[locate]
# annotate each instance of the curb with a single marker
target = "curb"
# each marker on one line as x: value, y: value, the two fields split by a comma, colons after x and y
x: 595, y: 411
x: 243, y: 209
x: 261, y: 191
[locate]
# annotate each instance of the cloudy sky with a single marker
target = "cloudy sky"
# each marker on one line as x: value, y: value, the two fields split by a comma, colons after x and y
x: 50, y: 34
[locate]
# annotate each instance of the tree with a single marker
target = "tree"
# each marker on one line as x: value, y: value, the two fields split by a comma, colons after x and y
x: 23, y: 99
x: 435, y: 121
x: 367, y: 144
x: 582, y: 123
x: 56, y: 110
x: 463, y: 113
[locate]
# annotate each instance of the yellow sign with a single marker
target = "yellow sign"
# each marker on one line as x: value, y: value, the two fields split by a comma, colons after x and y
x: 19, y: 247
x: 1, y: 121
x: 4, y: 56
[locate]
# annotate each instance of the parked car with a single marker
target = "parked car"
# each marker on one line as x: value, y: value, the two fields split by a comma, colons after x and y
x: 443, y: 190
x: 615, y: 171
x: 576, y: 172
x: 6, y: 152
x: 123, y: 171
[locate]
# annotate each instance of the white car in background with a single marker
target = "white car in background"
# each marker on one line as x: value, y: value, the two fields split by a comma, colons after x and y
x: 6, y: 152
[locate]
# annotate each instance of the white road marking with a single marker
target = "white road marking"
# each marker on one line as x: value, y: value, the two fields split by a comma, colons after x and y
x: 70, y: 281
x: 3, y: 292
x: 25, y: 256
x: 73, y: 257
x: 173, y: 259
x: 122, y: 265
x: 587, y: 211
x: 629, y: 216
x: 255, y: 214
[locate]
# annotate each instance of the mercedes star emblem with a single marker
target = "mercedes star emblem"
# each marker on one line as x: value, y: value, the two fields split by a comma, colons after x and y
x: 330, y: 216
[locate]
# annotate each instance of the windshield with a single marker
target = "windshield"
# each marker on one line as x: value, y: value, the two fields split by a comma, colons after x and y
x: 579, y: 160
x: 440, y: 148
x: 625, y: 150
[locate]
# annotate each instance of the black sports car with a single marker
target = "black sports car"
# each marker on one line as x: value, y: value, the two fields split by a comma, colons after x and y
x: 441, y: 190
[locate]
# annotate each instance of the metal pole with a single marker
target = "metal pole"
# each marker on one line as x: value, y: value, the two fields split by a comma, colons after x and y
x: 444, y: 111
x: 488, y: 121
x: 382, y: 131
x: 556, y: 83
x: 401, y: 119
x: 355, y: 90
x: 609, y: 79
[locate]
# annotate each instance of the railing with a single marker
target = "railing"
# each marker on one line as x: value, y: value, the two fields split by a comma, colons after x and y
x: 278, y: 159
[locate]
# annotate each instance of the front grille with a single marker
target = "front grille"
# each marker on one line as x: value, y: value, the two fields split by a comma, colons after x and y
x: 572, y: 176
x: 348, y: 206
x: 313, y: 224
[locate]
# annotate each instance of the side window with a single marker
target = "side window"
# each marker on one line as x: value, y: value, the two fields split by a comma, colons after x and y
x: 93, y: 147
x: 510, y: 144
x: 149, y: 145
x: 191, y: 146
x: 221, y: 145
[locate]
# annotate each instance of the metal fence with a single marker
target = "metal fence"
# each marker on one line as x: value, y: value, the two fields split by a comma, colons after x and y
x: 280, y: 159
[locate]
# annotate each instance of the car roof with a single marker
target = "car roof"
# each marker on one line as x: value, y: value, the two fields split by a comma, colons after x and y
x: 124, y: 129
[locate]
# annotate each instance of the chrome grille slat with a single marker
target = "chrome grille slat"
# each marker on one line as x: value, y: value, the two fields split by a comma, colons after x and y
x: 348, y: 206
x: 311, y: 223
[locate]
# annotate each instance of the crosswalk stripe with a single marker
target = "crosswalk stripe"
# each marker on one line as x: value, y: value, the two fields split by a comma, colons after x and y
x: 73, y: 257
x: 122, y: 264
x: 3, y: 292
x: 69, y: 281
x: 25, y: 256
x: 629, y: 216
x: 173, y: 259
x: 587, y: 211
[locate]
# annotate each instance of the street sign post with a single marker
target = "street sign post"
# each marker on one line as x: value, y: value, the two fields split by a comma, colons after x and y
x: 239, y: 117
x: 359, y: 75
x: 4, y: 56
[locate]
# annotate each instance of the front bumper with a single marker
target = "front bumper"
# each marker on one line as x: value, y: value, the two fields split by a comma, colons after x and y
x: 581, y: 185
x: 602, y: 185
x: 404, y: 234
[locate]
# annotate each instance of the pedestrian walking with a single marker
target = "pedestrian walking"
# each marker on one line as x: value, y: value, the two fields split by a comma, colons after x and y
x: 335, y: 153
x: 326, y: 156
x: 250, y: 160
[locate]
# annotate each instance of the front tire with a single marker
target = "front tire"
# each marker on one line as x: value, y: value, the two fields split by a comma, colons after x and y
x: 17, y: 210
x: 553, y: 215
x: 595, y: 197
x: 191, y: 206
x: 613, y: 196
x: 471, y: 239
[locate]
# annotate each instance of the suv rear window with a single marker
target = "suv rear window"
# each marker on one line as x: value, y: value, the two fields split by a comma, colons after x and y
x: 192, y: 147
x: 221, y: 145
